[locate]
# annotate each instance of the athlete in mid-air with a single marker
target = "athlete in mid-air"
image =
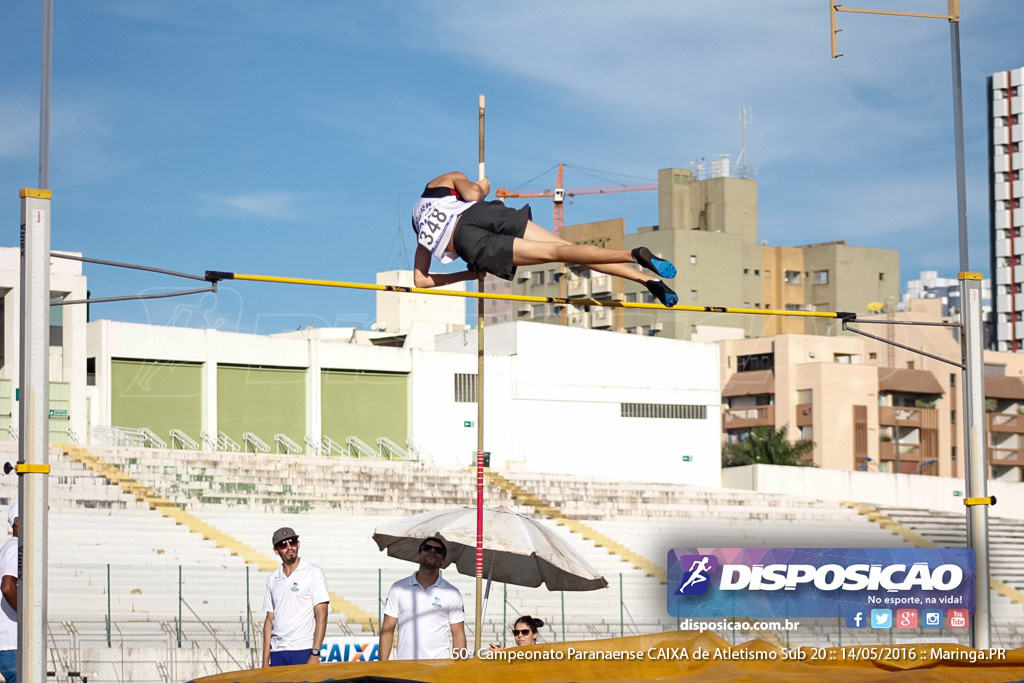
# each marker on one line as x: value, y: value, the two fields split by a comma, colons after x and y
x: 452, y: 220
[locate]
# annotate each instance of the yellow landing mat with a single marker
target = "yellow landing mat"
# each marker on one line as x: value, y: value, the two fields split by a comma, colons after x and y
x: 674, y: 657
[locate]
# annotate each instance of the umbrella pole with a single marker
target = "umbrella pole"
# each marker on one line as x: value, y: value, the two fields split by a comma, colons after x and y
x: 479, y: 429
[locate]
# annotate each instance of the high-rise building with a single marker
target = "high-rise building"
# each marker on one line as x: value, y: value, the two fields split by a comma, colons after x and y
x: 1006, y: 189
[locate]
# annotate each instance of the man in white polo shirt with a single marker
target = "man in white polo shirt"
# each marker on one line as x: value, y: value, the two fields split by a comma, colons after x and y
x: 9, y: 602
x: 425, y: 608
x: 296, y: 605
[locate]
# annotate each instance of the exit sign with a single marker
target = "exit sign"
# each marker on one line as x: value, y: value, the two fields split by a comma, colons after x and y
x: 467, y: 423
x: 687, y: 458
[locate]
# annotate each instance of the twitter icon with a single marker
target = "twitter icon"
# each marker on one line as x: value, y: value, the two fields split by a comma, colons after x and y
x: 881, y: 618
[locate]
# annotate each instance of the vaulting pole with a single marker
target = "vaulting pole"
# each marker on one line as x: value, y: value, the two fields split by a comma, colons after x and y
x: 477, y: 631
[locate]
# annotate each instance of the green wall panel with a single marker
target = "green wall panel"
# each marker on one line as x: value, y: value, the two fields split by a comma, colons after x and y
x: 161, y: 396
x: 264, y: 401
x: 364, y: 404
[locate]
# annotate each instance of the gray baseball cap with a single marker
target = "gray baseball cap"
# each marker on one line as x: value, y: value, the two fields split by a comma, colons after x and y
x: 284, y: 533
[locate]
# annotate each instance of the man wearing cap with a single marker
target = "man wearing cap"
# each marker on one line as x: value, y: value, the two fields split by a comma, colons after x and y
x: 296, y: 606
x: 424, y: 607
x: 9, y: 603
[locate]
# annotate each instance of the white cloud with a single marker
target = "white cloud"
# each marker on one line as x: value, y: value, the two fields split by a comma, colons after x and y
x: 276, y: 205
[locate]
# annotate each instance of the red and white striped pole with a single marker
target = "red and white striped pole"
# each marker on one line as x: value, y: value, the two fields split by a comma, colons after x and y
x: 478, y: 631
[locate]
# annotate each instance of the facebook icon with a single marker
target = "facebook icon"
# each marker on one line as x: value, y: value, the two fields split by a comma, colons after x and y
x: 855, y: 620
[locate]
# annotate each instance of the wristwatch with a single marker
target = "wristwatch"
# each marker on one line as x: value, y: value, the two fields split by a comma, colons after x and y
x: 315, y: 653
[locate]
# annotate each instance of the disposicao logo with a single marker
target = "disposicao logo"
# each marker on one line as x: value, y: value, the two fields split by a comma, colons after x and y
x: 817, y: 582
x: 697, y: 579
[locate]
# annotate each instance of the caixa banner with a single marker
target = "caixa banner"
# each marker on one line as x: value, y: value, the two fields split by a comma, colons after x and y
x: 817, y: 582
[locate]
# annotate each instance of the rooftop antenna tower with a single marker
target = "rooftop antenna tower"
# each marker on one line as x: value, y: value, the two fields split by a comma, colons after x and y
x: 742, y: 170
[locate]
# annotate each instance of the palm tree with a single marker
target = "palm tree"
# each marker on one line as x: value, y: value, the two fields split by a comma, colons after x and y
x: 766, y: 446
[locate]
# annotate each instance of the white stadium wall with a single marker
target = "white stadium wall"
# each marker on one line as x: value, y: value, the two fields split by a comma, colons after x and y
x: 553, y: 395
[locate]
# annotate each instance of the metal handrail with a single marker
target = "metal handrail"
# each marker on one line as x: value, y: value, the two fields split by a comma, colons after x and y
x: 392, y: 449
x: 226, y: 443
x: 287, y: 443
x: 361, y: 448
x: 258, y: 445
x: 331, y: 447
x: 73, y: 435
x: 313, y: 444
x: 183, y: 439
x: 151, y: 438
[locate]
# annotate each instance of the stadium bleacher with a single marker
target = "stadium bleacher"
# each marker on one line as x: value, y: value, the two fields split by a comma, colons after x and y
x: 116, y: 549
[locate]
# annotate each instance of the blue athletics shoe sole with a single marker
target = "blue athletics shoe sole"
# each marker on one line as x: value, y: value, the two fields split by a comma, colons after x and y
x: 662, y: 293
x: 648, y: 260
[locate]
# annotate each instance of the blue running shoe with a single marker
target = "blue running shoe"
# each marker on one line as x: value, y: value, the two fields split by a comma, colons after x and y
x: 662, y: 293
x: 648, y: 260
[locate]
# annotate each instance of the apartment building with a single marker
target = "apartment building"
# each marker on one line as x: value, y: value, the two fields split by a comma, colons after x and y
x: 870, y: 406
x: 1006, y: 216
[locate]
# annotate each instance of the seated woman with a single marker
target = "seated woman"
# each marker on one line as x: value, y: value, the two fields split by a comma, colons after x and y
x: 524, y: 631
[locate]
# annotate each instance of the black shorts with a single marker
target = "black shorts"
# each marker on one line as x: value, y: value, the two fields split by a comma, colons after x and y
x: 484, y: 236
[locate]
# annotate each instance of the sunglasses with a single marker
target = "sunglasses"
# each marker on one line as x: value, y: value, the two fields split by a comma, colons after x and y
x: 287, y: 542
x: 521, y: 632
x: 434, y: 549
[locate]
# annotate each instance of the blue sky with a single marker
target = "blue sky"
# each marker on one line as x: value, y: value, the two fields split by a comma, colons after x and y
x: 291, y: 138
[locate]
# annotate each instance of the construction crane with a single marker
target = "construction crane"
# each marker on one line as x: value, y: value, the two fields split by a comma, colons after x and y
x: 559, y: 194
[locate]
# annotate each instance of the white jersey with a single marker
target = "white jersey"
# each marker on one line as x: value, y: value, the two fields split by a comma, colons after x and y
x: 291, y: 599
x: 434, y: 220
x: 8, y: 617
x: 425, y: 616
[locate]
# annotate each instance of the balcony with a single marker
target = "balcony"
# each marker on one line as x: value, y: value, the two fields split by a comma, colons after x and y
x: 804, y: 414
x: 1006, y: 457
x: 1006, y: 423
x: 745, y: 418
x: 890, y: 416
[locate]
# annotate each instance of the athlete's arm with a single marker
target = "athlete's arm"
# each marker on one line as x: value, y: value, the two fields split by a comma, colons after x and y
x: 423, y: 278
x: 467, y: 189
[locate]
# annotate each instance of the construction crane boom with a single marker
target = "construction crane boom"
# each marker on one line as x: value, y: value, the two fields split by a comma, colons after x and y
x: 559, y: 194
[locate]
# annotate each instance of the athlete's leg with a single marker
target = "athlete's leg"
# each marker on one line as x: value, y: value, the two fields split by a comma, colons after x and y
x: 538, y: 245
x: 541, y: 246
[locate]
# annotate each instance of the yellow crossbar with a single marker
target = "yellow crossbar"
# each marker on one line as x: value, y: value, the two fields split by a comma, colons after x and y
x: 217, y: 276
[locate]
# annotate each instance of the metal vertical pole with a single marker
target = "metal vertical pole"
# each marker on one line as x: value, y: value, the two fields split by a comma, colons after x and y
x: 976, y: 471
x: 622, y: 610
x: 108, y: 604
x: 34, y: 442
x: 479, y: 428
x: 179, y: 605
x: 44, y: 91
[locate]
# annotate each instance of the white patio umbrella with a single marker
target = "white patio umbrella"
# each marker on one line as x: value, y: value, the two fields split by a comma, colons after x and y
x: 517, y: 549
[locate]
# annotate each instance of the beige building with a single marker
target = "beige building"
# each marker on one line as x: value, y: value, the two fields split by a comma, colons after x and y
x: 708, y: 228
x: 870, y: 406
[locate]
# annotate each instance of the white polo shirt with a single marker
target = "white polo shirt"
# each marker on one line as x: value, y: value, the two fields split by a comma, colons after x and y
x: 425, y: 616
x: 291, y: 599
x: 8, y: 617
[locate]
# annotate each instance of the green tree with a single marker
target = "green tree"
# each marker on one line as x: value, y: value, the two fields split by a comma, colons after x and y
x: 766, y: 446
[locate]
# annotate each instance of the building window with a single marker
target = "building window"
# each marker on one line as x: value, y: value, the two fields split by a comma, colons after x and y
x: 56, y: 321
x: 537, y: 278
x: 540, y: 311
x: 693, y: 259
x: 631, y: 297
x: 793, y: 277
x: 756, y: 361
x: 672, y: 411
x: 881, y: 277
x: 90, y: 372
x: 465, y: 388
x: 693, y: 293
x: 820, y: 277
